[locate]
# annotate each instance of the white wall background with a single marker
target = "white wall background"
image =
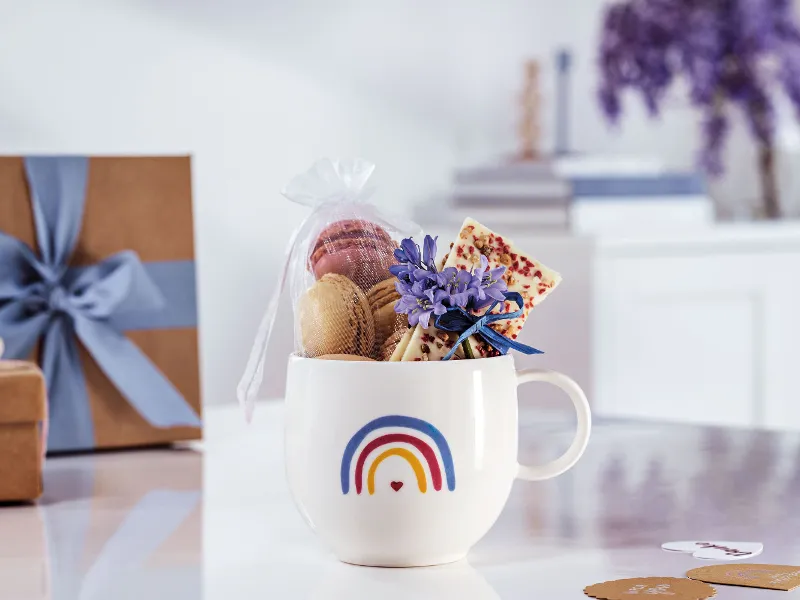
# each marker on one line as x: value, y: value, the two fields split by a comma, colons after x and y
x: 258, y: 89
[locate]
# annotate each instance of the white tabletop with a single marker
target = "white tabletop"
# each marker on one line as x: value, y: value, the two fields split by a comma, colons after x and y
x: 217, y: 522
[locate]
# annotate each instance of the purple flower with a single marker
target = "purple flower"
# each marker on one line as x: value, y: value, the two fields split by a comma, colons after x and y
x: 726, y: 51
x: 403, y: 271
x: 425, y: 292
x: 412, y: 267
x: 429, y: 253
x: 458, y: 285
x: 403, y: 288
x: 492, y: 285
x: 408, y: 252
x: 419, y: 300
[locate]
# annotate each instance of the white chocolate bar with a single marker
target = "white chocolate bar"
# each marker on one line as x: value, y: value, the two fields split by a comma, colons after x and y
x: 428, y: 344
x: 400, y: 350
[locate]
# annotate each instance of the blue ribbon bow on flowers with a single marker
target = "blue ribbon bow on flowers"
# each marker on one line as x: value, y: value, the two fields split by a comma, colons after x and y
x: 458, y: 320
x: 43, y: 297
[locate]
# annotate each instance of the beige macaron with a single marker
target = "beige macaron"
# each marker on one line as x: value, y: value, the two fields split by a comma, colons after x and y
x: 335, y: 318
x: 382, y: 298
x: 383, y: 292
x: 389, y: 346
x: 346, y: 357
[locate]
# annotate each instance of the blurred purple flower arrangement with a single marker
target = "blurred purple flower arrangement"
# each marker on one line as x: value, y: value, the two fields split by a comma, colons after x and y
x: 729, y: 52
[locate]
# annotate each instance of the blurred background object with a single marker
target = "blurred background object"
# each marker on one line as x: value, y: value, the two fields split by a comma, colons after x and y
x: 739, y: 53
x: 530, y: 128
x: 660, y: 299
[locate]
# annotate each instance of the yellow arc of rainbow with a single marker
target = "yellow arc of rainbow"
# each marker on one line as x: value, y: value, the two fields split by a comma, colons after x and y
x: 410, y: 458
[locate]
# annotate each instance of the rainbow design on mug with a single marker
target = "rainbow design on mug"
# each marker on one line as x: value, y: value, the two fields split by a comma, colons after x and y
x: 412, y: 428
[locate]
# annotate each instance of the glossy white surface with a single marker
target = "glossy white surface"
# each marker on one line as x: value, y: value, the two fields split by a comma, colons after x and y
x: 181, y: 525
x: 409, y: 464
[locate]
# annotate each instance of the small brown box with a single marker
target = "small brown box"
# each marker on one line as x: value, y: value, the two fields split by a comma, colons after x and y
x: 22, y: 411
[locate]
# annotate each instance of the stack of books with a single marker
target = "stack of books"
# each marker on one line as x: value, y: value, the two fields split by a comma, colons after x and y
x: 626, y: 200
x: 529, y: 195
x: 578, y: 194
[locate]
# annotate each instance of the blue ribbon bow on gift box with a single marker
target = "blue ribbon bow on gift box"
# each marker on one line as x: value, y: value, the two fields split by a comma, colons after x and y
x: 42, y: 297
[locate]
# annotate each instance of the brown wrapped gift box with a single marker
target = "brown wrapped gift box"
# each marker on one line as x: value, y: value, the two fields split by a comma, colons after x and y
x: 22, y: 410
x: 142, y: 204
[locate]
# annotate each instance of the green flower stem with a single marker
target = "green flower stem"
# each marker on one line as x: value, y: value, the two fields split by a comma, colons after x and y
x: 467, y: 349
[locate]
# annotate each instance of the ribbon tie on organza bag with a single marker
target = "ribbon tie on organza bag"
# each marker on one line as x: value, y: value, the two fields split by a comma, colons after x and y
x: 327, y: 187
x: 45, y: 298
x: 458, y: 320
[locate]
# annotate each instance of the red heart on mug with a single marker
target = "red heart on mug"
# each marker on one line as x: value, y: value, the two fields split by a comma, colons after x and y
x: 396, y: 485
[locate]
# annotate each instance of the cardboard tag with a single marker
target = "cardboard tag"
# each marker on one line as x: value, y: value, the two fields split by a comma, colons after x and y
x: 647, y: 587
x: 769, y: 577
x: 716, y: 550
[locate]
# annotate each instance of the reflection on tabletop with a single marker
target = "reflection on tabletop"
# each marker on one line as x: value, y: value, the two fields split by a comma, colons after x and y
x: 221, y: 525
x: 643, y: 483
x: 457, y: 581
x: 638, y: 486
x: 109, y: 526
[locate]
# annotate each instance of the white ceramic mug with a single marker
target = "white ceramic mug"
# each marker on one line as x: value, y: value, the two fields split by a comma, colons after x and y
x: 410, y: 463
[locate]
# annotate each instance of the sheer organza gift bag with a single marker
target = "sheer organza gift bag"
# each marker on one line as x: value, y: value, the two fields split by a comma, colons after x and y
x: 337, y: 268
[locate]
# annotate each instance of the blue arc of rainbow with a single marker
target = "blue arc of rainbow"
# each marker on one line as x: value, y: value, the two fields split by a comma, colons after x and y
x: 399, y: 421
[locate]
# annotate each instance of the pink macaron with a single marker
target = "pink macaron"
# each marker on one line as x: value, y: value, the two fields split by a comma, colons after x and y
x: 360, y: 250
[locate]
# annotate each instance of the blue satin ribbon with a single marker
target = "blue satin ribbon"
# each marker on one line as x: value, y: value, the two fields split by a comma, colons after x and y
x: 466, y: 324
x: 42, y: 297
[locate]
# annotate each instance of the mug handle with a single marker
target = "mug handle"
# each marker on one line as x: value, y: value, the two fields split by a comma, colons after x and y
x: 567, y: 460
